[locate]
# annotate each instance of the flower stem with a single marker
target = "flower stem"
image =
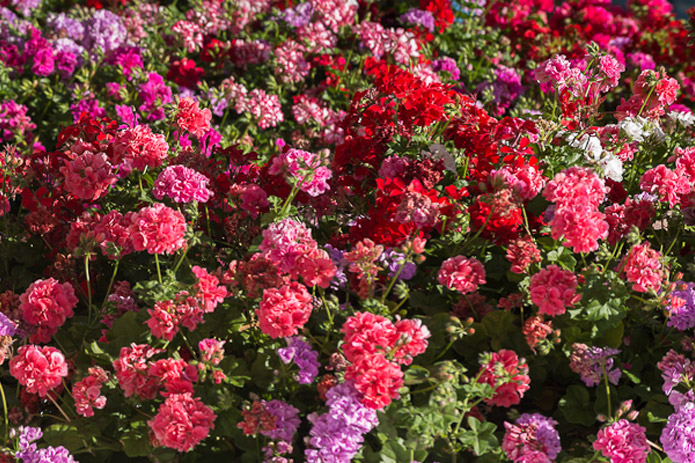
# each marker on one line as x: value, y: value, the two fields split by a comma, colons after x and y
x: 4, y: 409
x: 159, y: 272
x: 608, y: 391
x: 89, y: 288
x: 108, y: 290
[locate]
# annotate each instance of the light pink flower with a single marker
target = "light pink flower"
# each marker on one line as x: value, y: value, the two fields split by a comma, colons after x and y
x: 157, y: 229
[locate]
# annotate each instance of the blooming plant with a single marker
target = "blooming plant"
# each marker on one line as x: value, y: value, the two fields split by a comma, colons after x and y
x: 347, y: 230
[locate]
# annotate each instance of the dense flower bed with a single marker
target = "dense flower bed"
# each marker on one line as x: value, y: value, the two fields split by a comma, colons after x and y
x: 338, y: 230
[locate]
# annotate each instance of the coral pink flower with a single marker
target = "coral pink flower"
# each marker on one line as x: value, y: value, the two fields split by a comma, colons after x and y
x: 157, y: 229
x: 88, y: 176
x: 366, y: 334
x: 132, y: 371
x: 623, y: 442
x: 669, y: 185
x: 463, y: 274
x: 304, y: 169
x: 40, y: 369
x: 182, y: 422
x: 553, y: 289
x: 113, y: 235
x: 376, y: 378
x: 576, y: 185
x: 139, y: 146
x: 182, y: 184
x: 411, y: 341
x: 193, y: 119
x: 212, y: 350
x: 45, y: 305
x: 87, y: 393
x: 522, y: 253
x: 515, y: 379
x: 284, y: 311
x: 209, y: 291
x: 176, y: 375
x: 642, y: 267
x: 527, y: 181
x: 167, y: 317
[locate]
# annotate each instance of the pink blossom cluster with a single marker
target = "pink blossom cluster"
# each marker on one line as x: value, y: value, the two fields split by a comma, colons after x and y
x: 14, y: 120
x: 208, y: 290
x: 212, y: 353
x: 140, y: 147
x: 87, y: 392
x: 182, y: 422
x: 304, y: 169
x: 289, y: 246
x: 376, y: 347
x: 39, y: 369
x: 462, y: 274
x: 576, y: 220
x: 670, y: 186
x: 190, y: 33
x: 132, y: 371
x: 291, y: 64
x: 88, y: 176
x: 182, y: 184
x: 284, y: 310
x: 265, y: 109
x: 167, y: 317
x: 508, y: 376
x: 652, y: 93
x: 527, y: 181
x: 191, y: 118
x: 523, y: 253
x: 45, y: 306
x: 553, y: 289
x: 623, y: 442
x: 643, y: 268
x: 157, y: 229
x: 558, y: 73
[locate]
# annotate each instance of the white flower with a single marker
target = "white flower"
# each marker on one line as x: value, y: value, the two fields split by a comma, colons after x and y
x: 685, y: 119
x: 634, y: 128
x: 590, y: 144
x: 612, y: 167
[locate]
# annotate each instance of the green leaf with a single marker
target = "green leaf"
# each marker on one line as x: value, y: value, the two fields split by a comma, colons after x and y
x: 575, y: 406
x: 136, y: 441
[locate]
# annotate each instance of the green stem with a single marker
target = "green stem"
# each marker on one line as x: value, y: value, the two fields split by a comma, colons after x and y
x: 159, y: 272
x: 89, y: 287
x: 608, y: 391
x: 183, y: 256
x: 4, y: 409
x: 108, y: 290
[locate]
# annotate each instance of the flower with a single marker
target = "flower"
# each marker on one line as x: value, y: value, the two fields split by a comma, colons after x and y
x: 642, y: 267
x: 553, y: 289
x: 463, y: 274
x: 28, y: 452
x: 157, y: 229
x: 623, y: 442
x: 87, y: 392
x: 45, y: 305
x: 182, y: 422
x: 182, y: 184
x: 40, y: 369
x: 88, y: 176
x: 376, y: 378
x: 508, y: 376
x: 191, y: 118
x: 681, y: 306
x: 286, y: 420
x: 209, y: 292
x: 132, y: 367
x: 141, y: 147
x: 678, y: 436
x: 284, y: 310
x: 303, y: 169
x: 591, y: 362
x: 301, y: 353
x: 532, y: 438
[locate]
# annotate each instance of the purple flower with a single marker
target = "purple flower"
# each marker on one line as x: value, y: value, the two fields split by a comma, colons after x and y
x: 104, y: 30
x: 420, y: 17
x: 590, y: 362
x: 25, y: 6
x: 299, y: 16
x: 682, y: 308
x: 66, y: 27
x: 303, y: 356
x: 337, y: 436
x: 28, y: 452
x: 336, y: 255
x: 678, y: 436
x: 7, y: 326
x: 447, y: 64
x: 394, y: 260
x: 532, y: 438
x: 286, y: 420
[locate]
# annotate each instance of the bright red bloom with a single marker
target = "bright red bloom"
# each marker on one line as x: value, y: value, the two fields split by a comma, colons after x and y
x: 376, y: 378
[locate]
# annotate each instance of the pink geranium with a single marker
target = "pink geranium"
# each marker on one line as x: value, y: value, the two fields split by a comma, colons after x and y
x: 40, y: 369
x: 182, y: 422
x: 193, y: 119
x: 157, y: 229
x: 45, y: 306
x: 463, y: 274
x: 285, y: 310
x: 553, y: 290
